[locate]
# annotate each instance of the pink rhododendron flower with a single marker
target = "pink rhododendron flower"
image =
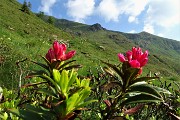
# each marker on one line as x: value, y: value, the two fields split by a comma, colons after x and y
x: 121, y: 57
x: 58, y: 52
x: 136, y: 58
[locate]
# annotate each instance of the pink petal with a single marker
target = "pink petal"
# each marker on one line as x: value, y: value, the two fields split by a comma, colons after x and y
x: 51, y: 54
x: 48, y: 57
x: 121, y: 57
x: 139, y: 53
x: 144, y: 62
x: 134, y: 50
x: 134, y: 64
x: 63, y: 47
x: 62, y: 50
x: 56, y: 48
x: 129, y: 55
x: 69, y: 55
x: 145, y: 54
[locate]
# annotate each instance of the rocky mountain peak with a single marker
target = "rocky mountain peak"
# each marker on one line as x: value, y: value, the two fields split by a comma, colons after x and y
x: 96, y: 27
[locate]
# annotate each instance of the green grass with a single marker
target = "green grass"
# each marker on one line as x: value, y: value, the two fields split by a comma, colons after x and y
x: 27, y: 36
x: 22, y: 36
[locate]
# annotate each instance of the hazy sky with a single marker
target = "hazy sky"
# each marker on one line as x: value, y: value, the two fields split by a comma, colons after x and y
x: 159, y: 17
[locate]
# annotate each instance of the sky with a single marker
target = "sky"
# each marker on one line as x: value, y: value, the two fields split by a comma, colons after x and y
x: 158, y: 17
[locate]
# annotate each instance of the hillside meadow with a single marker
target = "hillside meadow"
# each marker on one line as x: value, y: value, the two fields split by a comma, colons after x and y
x: 93, y: 83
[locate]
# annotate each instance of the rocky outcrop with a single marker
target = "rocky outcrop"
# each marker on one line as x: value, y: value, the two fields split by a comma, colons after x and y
x: 96, y: 27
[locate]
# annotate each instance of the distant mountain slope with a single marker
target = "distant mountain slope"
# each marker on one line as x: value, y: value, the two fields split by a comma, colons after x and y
x: 164, y: 53
x: 27, y: 36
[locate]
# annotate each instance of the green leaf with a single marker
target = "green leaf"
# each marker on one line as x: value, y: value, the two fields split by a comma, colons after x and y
x: 86, y: 103
x: 14, y: 111
x: 129, y: 75
x: 56, y: 64
x: 141, y: 98
x: 71, y: 102
x: 72, y: 78
x: 83, y: 95
x: 134, y: 73
x: 63, y: 65
x: 64, y: 80
x: 36, y: 113
x: 27, y: 114
x: 37, y: 73
x: 78, y: 82
x: 48, y: 63
x: 125, y: 66
x: 115, y: 68
x: 161, y: 90
x: 33, y: 84
x: 41, y: 64
x: 74, y: 90
x: 1, y: 90
x: 47, y: 92
x: 143, y: 79
x: 4, y: 116
x: 37, y: 109
x: 52, y: 81
x: 111, y: 85
x: 85, y: 83
x: 57, y: 76
x: 144, y: 88
x: 61, y: 108
x: 111, y: 96
x: 72, y: 66
x: 109, y: 71
x: 112, y: 73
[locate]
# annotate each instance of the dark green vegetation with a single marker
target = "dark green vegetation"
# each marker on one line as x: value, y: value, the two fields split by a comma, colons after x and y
x: 25, y: 35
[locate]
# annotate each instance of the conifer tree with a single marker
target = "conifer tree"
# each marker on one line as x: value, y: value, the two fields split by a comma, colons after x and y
x: 26, y: 7
x: 40, y: 14
x: 50, y: 20
x: 29, y: 5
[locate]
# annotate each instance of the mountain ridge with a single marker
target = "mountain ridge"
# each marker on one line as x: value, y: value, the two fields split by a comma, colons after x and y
x: 65, y: 22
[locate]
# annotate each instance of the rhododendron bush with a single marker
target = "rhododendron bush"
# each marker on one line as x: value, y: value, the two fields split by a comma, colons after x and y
x: 58, y: 53
x: 57, y: 92
x: 136, y: 58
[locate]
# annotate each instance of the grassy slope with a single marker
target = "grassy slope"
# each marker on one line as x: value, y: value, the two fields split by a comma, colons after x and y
x: 27, y: 36
x: 22, y: 36
x: 164, y: 53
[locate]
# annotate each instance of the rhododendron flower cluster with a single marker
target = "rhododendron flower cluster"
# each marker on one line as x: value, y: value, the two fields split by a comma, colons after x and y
x: 136, y: 58
x: 58, y: 52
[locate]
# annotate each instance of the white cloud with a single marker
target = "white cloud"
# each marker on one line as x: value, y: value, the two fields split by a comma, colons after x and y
x: 164, y: 13
x: 111, y: 10
x: 80, y: 9
x: 149, y: 28
x: 46, y: 6
x: 132, y: 19
x: 132, y: 31
x: 133, y: 8
x: 160, y: 34
x: 163, y: 16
